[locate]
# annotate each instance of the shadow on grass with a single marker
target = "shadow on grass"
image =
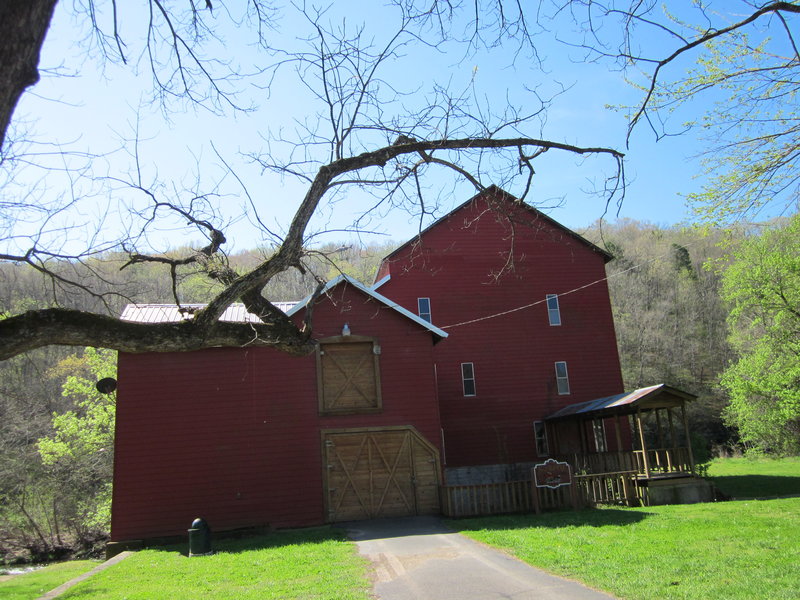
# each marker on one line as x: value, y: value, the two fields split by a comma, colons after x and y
x: 552, y: 520
x: 756, y: 486
x: 411, y: 526
x: 245, y: 542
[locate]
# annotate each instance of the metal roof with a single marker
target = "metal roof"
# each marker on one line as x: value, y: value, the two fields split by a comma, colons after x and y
x: 655, y: 396
x: 236, y: 313
x: 170, y: 313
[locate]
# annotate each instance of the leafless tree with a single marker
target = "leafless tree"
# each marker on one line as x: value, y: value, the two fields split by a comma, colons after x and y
x: 366, y: 135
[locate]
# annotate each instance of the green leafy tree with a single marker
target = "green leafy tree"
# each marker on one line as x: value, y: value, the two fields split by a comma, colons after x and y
x: 80, y: 451
x: 728, y: 70
x: 763, y: 287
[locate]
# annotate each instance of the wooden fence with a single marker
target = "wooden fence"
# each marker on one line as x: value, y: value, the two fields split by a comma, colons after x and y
x: 516, y: 496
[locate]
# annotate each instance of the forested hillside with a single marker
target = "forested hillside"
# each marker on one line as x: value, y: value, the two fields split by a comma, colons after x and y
x: 669, y: 316
x: 670, y: 319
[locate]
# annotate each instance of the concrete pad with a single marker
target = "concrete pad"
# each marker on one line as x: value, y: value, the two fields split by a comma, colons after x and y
x: 418, y: 558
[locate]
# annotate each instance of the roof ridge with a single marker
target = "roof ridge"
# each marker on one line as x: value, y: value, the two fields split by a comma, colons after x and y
x: 498, y: 191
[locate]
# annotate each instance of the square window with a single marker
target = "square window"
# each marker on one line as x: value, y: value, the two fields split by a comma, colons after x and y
x: 468, y: 379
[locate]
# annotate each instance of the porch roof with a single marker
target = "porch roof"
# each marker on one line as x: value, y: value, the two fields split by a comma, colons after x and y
x: 648, y: 398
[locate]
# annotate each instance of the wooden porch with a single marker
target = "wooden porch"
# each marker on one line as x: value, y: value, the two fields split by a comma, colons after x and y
x: 650, y: 434
x: 627, y: 449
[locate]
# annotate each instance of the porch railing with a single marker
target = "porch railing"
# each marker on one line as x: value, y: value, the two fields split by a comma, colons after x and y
x: 608, y: 488
x: 662, y: 460
x: 602, y: 462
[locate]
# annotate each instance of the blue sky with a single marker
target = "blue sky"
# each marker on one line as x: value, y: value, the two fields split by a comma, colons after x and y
x: 94, y: 108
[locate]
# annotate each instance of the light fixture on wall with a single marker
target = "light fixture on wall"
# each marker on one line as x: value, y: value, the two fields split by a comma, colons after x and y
x: 346, y: 329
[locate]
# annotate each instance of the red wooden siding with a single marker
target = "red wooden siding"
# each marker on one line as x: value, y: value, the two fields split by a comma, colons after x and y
x: 477, y: 263
x: 233, y: 435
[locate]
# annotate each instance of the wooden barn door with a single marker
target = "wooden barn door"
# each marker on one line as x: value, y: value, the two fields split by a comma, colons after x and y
x: 348, y: 375
x: 371, y: 474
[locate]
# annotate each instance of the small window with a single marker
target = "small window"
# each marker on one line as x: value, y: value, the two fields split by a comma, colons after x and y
x: 553, y: 313
x: 540, y: 431
x: 468, y: 379
x: 562, y: 379
x: 424, y: 308
x: 599, y: 435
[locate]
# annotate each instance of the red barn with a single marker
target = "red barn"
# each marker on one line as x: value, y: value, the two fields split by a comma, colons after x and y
x: 526, y: 305
x: 251, y: 436
x: 383, y: 413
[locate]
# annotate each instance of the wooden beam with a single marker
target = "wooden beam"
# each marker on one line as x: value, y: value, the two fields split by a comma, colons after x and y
x: 673, y: 439
x: 688, y: 439
x: 643, y: 444
x: 618, y: 436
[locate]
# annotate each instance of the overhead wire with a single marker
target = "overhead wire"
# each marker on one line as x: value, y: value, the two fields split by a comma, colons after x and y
x: 572, y: 291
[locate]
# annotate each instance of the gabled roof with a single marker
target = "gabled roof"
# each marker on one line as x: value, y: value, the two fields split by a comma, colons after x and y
x: 495, y: 190
x: 655, y: 396
x: 439, y: 333
x: 237, y: 313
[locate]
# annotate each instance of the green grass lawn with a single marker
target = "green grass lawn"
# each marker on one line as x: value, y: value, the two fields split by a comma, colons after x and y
x: 732, y: 550
x: 309, y: 564
x: 755, y: 478
x: 36, y: 583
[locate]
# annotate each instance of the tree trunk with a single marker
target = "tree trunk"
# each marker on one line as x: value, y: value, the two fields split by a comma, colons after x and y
x: 23, y: 26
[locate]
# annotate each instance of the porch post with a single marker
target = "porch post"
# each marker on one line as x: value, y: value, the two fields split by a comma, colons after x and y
x: 688, y: 439
x: 619, y: 444
x: 642, y: 442
x: 672, y: 438
x: 662, y: 446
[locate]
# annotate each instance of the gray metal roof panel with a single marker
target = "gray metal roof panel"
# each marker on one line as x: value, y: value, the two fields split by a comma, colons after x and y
x: 619, y: 401
x: 170, y: 313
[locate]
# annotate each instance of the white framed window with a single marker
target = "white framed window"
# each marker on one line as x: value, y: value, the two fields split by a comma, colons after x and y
x: 562, y: 378
x: 540, y: 432
x: 553, y: 312
x: 599, y: 430
x: 468, y: 379
x: 424, y: 308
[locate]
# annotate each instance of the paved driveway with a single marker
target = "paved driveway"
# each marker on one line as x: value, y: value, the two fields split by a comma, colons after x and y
x: 417, y: 558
